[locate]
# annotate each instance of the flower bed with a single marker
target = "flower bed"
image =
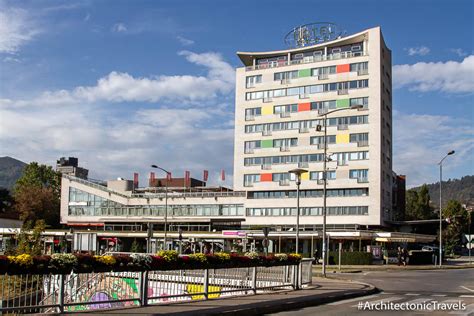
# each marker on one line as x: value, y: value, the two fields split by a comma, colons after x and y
x: 164, y: 260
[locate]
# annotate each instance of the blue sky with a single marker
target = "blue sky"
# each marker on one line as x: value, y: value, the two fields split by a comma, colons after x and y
x: 123, y: 84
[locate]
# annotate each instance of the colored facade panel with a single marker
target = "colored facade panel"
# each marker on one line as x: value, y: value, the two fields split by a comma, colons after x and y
x: 343, y: 68
x: 344, y: 103
x: 304, y: 73
x: 267, y: 143
x: 267, y: 109
x: 266, y: 177
x: 304, y: 107
x: 342, y: 139
x: 305, y: 176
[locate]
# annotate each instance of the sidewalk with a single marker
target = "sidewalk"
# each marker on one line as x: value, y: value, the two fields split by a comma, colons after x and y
x: 323, y: 291
x: 454, y: 264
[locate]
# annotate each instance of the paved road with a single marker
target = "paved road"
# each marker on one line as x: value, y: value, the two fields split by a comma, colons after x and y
x: 414, y: 287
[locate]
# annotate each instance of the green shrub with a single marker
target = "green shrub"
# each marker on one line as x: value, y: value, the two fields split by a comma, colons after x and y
x: 351, y: 258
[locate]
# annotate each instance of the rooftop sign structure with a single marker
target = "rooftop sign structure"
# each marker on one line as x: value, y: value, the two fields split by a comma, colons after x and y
x: 312, y: 34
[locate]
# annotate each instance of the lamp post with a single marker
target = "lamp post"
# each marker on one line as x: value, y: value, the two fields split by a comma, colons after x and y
x: 318, y: 128
x: 441, y: 207
x: 166, y: 202
x: 298, y: 173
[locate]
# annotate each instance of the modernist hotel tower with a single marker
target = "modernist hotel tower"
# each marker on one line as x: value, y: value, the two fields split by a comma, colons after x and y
x: 281, y: 97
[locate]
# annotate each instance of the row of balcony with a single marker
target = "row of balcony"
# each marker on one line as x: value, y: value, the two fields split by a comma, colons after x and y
x: 289, y: 114
x: 287, y: 182
x: 361, y: 143
x: 306, y: 60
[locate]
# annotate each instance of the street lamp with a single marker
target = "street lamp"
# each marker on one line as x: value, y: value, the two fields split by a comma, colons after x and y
x: 168, y: 174
x: 441, y: 207
x: 298, y: 173
x: 318, y: 128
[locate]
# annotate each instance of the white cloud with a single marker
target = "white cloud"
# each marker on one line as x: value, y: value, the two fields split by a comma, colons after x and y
x: 449, y: 77
x: 123, y: 87
x: 458, y: 51
x: 82, y: 122
x: 17, y: 28
x: 119, y: 28
x: 184, y: 41
x: 421, y: 50
x: 420, y: 141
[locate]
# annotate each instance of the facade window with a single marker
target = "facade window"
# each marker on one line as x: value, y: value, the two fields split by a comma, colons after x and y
x: 359, y: 137
x: 308, y: 211
x: 290, y: 108
x: 312, y: 89
x: 251, y: 178
x: 323, y: 71
x: 341, y: 158
x: 360, y: 101
x: 323, y: 105
x: 318, y: 175
x: 285, y: 75
x: 319, y: 140
x: 276, y: 177
x: 359, y: 66
x: 251, y: 81
x: 285, y: 142
x: 359, y: 174
x: 253, y: 112
x: 250, y: 145
x: 308, y: 193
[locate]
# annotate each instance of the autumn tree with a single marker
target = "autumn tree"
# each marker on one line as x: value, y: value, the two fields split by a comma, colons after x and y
x: 37, y: 194
x: 458, y: 220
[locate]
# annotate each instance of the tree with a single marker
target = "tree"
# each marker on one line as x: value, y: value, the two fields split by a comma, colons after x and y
x: 136, y: 247
x: 29, y: 239
x: 458, y: 220
x: 418, y: 204
x: 6, y: 204
x: 37, y: 194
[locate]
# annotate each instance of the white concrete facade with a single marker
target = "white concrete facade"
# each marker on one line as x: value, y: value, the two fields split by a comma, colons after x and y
x: 378, y: 128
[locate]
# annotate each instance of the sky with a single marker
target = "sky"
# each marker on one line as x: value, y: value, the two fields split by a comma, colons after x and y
x: 125, y: 84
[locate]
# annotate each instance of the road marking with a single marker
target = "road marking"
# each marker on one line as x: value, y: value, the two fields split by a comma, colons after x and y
x: 439, y: 295
x: 387, y: 293
x: 357, y: 299
x: 412, y: 294
x: 466, y: 295
x: 385, y: 300
x: 466, y: 288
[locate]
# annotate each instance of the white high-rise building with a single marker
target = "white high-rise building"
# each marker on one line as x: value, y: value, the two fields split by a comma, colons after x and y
x: 280, y: 97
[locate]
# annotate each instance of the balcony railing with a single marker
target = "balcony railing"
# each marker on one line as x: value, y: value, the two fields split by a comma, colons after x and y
x: 362, y: 180
x: 266, y: 167
x: 321, y: 146
x: 267, y: 100
x: 285, y: 114
x: 266, y: 133
x: 323, y: 76
x: 307, y: 60
x: 343, y: 127
x: 249, y: 150
x: 284, y: 148
x: 285, y: 182
x: 248, y: 184
x: 250, y: 117
x: 304, y: 96
x: 304, y: 130
x: 342, y: 91
x: 320, y: 181
x: 362, y: 72
x: 363, y: 143
x: 322, y: 111
x: 342, y: 162
x: 285, y: 81
x: 303, y: 164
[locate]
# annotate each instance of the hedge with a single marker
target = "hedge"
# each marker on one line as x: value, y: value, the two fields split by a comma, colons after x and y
x: 350, y: 258
x: 164, y: 260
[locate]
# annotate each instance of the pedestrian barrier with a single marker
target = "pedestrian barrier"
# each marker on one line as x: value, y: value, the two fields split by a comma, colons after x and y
x: 53, y: 293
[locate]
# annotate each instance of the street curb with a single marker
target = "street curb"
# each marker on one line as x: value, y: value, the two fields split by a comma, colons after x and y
x: 395, y: 269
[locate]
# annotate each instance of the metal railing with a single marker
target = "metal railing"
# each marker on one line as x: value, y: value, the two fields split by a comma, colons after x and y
x: 312, y: 59
x: 104, y: 290
x: 95, y: 185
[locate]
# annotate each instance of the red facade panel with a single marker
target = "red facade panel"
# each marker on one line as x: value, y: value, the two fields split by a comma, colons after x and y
x: 343, y: 68
x: 304, y: 107
x: 265, y: 177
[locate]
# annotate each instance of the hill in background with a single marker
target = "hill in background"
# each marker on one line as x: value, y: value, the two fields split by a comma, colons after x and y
x: 10, y: 170
x: 453, y: 189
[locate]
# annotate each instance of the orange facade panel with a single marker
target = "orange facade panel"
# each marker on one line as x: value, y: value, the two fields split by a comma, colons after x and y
x: 343, y: 68
x: 266, y: 177
x: 304, y: 107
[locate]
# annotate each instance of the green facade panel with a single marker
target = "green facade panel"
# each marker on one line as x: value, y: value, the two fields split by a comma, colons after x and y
x: 267, y: 143
x: 344, y: 103
x: 304, y: 73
